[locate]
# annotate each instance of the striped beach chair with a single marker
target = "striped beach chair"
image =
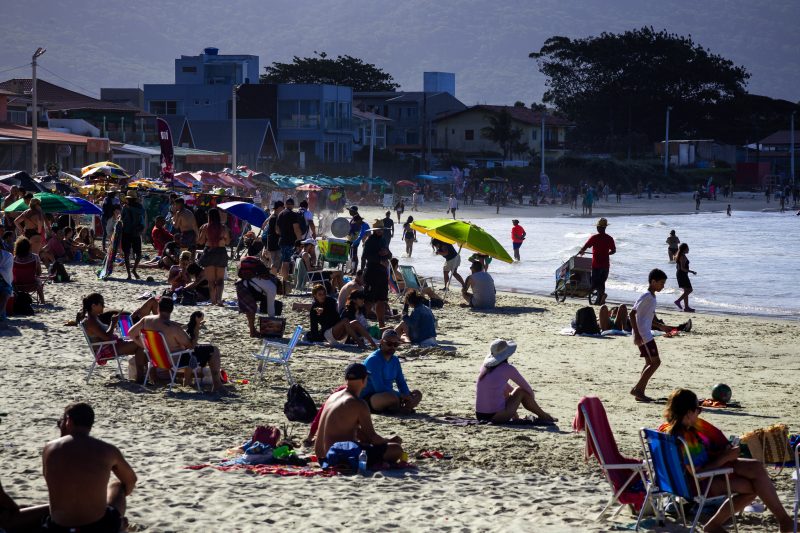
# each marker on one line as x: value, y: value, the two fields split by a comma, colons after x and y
x: 125, y: 323
x: 102, y: 352
x: 159, y: 356
x: 673, y: 477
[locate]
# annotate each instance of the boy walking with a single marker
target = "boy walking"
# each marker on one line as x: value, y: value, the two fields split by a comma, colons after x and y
x: 641, y: 322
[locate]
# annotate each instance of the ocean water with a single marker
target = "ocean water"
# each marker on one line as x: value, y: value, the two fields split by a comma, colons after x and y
x: 748, y: 263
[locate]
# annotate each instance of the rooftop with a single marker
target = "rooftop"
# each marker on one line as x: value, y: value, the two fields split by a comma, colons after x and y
x: 520, y: 114
x: 56, y: 98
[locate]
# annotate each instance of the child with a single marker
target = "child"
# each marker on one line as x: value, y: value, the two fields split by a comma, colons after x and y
x: 641, y: 321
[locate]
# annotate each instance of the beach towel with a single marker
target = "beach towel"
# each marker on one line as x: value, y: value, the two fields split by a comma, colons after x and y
x: 519, y: 422
x: 271, y: 470
x: 570, y: 331
x: 635, y: 492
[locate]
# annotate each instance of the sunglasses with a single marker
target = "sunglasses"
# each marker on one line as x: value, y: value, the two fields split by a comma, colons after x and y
x: 392, y: 344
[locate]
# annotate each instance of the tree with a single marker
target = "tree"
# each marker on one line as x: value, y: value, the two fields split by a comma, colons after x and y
x: 501, y: 130
x: 616, y: 87
x: 344, y: 70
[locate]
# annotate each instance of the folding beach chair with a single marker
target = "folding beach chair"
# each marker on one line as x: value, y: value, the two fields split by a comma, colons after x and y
x: 278, y: 353
x: 673, y: 477
x: 796, y: 476
x: 159, y: 356
x: 102, y: 352
x: 620, y: 474
x: 125, y: 323
x: 412, y: 280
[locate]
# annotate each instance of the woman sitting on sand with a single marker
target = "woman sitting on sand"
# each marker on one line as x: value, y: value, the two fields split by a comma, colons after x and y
x: 323, y: 315
x: 84, y: 241
x: 495, y: 400
x: 418, y: 327
x: 710, y: 449
x: 91, y: 318
x: 178, y: 276
x: 196, y: 322
x: 169, y: 258
x: 353, y: 323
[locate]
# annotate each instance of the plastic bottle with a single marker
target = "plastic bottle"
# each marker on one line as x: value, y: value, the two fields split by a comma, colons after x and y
x: 362, y: 463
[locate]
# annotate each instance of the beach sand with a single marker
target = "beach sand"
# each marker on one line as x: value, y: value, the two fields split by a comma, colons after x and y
x: 498, y: 479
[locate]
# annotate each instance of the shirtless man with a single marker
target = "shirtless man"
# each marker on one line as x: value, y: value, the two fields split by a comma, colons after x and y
x: 346, y: 418
x: 177, y: 339
x: 16, y: 518
x: 185, y: 226
x: 77, y: 469
x: 31, y: 223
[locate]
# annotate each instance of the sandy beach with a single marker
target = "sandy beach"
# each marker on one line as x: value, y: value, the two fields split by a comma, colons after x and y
x: 499, y: 479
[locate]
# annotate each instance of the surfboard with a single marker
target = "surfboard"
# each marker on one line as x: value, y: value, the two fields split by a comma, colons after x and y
x: 108, y: 263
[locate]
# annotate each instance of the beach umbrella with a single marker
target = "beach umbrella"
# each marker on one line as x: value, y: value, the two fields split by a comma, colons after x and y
x: 99, y: 164
x: 24, y: 180
x: 51, y: 203
x: 57, y: 186
x: 246, y: 211
x: 309, y: 187
x: 465, y: 234
x: 86, y: 207
x: 405, y: 183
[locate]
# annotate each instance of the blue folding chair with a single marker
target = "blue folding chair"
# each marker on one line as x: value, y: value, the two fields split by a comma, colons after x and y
x: 673, y: 477
x: 125, y: 323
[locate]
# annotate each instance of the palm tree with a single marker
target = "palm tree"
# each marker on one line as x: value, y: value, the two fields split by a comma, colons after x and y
x: 501, y: 131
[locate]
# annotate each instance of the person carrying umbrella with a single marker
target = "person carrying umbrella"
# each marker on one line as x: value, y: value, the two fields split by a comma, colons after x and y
x: 452, y: 260
x: 132, y: 227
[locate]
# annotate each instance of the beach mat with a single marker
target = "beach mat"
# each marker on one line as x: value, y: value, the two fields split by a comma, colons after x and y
x: 271, y: 470
x: 520, y: 422
x: 570, y: 332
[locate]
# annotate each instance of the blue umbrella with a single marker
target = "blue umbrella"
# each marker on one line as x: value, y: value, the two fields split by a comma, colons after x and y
x: 249, y: 212
x: 87, y: 207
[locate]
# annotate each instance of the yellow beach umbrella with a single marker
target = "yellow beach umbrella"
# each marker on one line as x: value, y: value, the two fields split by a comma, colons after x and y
x: 464, y: 234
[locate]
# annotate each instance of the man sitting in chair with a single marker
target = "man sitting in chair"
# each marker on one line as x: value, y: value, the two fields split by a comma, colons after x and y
x: 385, y: 371
x: 177, y: 339
x: 482, y: 285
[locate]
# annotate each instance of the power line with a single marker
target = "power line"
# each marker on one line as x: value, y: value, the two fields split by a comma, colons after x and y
x: 15, y: 68
x: 91, y: 92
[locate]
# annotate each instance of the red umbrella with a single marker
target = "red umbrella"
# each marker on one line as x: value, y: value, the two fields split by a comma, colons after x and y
x: 405, y: 183
x: 308, y: 187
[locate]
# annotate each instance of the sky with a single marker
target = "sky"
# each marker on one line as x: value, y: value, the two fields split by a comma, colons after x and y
x: 110, y: 43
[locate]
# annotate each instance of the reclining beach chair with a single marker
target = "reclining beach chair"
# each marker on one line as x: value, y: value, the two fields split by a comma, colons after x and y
x: 102, y: 352
x: 278, y: 353
x: 673, y: 477
x: 412, y: 280
x: 159, y: 356
x: 620, y: 472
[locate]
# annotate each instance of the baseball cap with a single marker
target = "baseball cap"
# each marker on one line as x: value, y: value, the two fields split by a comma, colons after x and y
x: 355, y: 371
x: 388, y: 334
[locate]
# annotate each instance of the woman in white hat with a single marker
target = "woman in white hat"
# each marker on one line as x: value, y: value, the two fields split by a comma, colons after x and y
x: 496, y: 400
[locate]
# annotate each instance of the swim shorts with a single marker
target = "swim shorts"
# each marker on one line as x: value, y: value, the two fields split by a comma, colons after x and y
x: 111, y: 521
x: 202, y: 353
x: 375, y: 453
x: 453, y: 264
x: 286, y: 253
x: 648, y: 349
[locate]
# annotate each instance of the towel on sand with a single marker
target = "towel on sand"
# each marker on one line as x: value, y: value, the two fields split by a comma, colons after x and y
x: 464, y: 421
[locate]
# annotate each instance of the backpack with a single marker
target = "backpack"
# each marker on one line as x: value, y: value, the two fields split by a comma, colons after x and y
x: 58, y: 272
x: 586, y: 321
x: 299, y: 406
x: 23, y: 304
x: 251, y: 267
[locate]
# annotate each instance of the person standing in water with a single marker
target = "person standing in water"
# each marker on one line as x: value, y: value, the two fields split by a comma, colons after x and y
x: 602, y: 246
x: 517, y: 237
x: 682, y: 273
x: 672, y: 245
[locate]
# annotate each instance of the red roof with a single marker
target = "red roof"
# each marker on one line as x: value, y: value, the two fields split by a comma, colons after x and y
x: 44, y: 135
x: 56, y: 98
x: 520, y: 114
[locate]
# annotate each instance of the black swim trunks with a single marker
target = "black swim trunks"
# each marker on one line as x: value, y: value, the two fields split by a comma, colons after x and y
x: 110, y: 523
x: 484, y: 417
x: 202, y: 353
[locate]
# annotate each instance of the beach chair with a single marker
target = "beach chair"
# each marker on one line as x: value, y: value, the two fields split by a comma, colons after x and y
x: 160, y: 356
x: 278, y: 353
x: 673, y: 477
x: 622, y: 472
x: 125, y: 323
x: 412, y: 280
x: 102, y: 352
x: 796, y: 476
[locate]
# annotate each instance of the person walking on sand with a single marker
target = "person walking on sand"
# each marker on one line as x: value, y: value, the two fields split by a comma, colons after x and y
x: 452, y: 260
x: 602, y: 246
x: 728, y: 212
x: 682, y: 273
x: 672, y: 245
x: 641, y: 321
x: 517, y: 237
x: 77, y: 469
x: 452, y: 206
x: 399, y: 209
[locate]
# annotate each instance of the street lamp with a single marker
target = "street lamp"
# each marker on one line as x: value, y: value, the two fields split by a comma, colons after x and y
x: 666, y: 144
x: 34, y: 130
x: 233, y: 127
x: 791, y: 147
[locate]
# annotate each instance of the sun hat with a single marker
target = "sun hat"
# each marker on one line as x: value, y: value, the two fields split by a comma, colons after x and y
x: 378, y: 224
x: 131, y: 195
x: 602, y: 223
x: 499, y: 351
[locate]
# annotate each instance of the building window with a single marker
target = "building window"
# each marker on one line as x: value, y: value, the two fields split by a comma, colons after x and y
x: 192, y: 70
x: 298, y: 114
x: 411, y: 112
x: 17, y: 117
x: 164, y: 107
x: 197, y: 102
x: 469, y: 135
x: 534, y: 134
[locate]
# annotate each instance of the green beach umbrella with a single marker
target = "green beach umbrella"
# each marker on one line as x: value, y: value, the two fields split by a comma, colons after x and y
x: 464, y: 234
x: 51, y: 203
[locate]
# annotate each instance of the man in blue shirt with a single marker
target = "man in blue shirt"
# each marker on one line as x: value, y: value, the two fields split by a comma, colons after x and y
x: 384, y: 372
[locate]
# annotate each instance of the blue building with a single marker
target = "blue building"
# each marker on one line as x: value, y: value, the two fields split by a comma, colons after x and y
x: 315, y: 120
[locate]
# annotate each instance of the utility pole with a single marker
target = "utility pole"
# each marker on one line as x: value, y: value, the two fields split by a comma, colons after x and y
x: 544, y: 113
x: 233, y: 130
x: 35, y: 126
x: 791, y: 147
x: 371, y: 144
x: 666, y: 144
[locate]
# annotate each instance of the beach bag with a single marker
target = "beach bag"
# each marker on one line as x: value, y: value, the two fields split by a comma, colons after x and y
x: 269, y: 435
x: 187, y: 297
x: 23, y: 304
x: 272, y: 327
x: 586, y: 322
x: 769, y: 445
x: 343, y: 454
x: 299, y: 406
x: 251, y: 267
x: 58, y: 272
